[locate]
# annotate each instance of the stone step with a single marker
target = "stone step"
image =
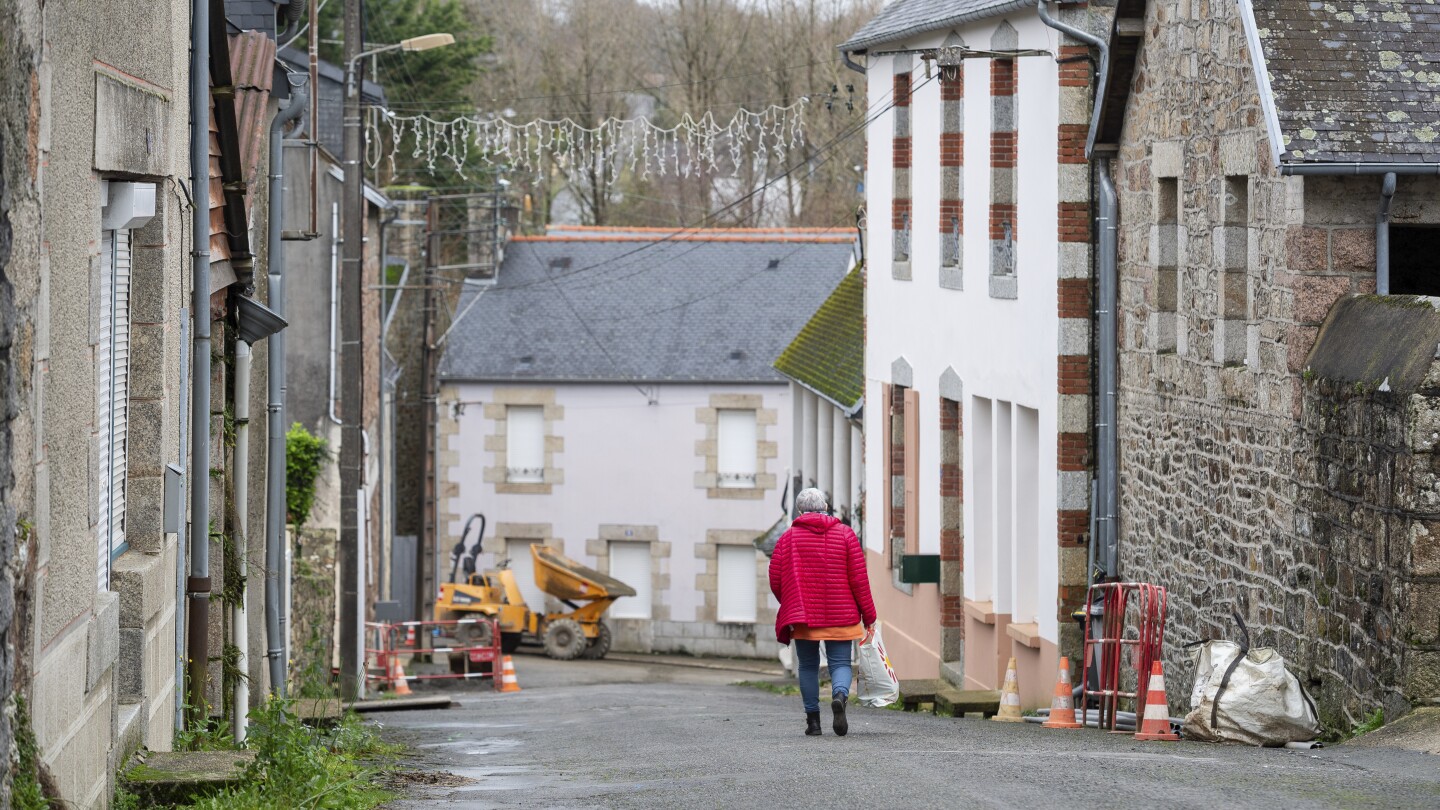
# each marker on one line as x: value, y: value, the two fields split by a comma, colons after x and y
x: 958, y: 703
x: 920, y: 690
x: 168, y: 778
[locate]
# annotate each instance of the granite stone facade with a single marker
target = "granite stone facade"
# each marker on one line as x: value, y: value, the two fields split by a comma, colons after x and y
x: 1248, y: 480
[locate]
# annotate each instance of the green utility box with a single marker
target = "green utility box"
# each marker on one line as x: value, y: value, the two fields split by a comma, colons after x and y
x: 918, y: 568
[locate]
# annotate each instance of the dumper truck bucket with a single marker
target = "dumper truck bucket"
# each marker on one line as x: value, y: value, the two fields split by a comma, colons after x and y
x: 563, y: 578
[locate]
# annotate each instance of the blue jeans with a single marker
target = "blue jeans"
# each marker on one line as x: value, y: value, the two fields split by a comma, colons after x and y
x: 807, y: 666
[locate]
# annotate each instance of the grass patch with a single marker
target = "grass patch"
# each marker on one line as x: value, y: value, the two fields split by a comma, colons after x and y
x: 1375, y: 721
x: 25, y: 791
x: 297, y: 766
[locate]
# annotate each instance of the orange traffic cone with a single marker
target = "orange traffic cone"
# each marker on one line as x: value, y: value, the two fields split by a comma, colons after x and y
x: 508, y: 682
x: 401, y: 685
x: 1155, y: 725
x: 1062, y: 708
x: 1010, y: 697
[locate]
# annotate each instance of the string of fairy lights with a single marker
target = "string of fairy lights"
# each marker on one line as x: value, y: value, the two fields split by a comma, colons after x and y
x: 708, y: 145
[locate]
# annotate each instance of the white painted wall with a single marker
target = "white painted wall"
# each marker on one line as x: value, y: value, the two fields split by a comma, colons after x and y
x: 624, y: 462
x: 1003, y: 350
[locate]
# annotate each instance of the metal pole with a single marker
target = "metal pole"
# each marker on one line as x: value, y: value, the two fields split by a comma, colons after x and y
x: 351, y: 349
x: 197, y: 585
x: 428, y: 547
x: 275, y: 539
x: 239, y: 620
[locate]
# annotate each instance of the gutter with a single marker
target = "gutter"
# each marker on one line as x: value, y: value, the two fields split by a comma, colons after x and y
x: 1104, y: 546
x: 197, y: 584
x: 1388, y: 171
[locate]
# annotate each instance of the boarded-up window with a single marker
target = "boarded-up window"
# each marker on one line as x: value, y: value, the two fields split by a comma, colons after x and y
x: 112, y: 397
x: 525, y: 444
x: 630, y: 563
x: 737, y: 451
x: 735, y: 600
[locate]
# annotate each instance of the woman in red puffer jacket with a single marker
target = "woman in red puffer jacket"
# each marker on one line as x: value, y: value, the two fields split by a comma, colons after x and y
x: 818, y: 574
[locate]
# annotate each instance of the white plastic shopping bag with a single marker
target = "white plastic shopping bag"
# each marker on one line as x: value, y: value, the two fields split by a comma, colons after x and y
x: 878, y: 684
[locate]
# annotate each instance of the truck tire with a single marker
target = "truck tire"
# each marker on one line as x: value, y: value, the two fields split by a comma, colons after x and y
x: 599, y: 646
x: 564, y: 640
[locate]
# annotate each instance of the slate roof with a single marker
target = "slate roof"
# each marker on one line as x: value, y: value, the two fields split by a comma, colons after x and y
x: 902, y: 19
x: 1357, y: 81
x: 828, y: 356
x: 622, y: 306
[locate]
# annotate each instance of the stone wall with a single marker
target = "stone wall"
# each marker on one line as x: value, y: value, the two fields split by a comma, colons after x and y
x: 1246, y: 481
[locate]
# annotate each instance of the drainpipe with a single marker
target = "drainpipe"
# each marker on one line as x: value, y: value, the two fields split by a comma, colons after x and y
x: 851, y: 63
x: 334, y: 303
x: 239, y: 623
x: 275, y: 539
x: 1107, y: 495
x: 1382, y: 235
x: 197, y: 585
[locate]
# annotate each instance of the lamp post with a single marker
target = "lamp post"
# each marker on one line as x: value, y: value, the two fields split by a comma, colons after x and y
x: 352, y: 336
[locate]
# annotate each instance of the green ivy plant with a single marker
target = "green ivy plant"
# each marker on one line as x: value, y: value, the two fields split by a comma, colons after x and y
x: 305, y: 453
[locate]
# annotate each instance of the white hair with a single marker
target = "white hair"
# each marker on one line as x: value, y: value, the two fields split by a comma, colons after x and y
x: 811, y: 500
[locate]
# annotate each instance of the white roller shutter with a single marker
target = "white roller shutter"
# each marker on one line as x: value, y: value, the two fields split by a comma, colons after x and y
x: 735, y: 601
x: 737, y: 450
x: 523, y: 564
x: 525, y: 444
x: 112, y: 399
x: 630, y: 563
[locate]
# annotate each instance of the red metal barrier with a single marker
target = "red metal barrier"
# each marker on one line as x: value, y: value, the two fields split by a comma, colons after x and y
x: 1106, y: 652
x: 407, y: 638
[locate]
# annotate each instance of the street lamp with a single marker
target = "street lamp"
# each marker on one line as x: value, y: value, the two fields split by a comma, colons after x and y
x: 421, y: 43
x: 352, y: 612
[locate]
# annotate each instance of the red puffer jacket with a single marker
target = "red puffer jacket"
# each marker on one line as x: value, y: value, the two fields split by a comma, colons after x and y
x: 818, y: 574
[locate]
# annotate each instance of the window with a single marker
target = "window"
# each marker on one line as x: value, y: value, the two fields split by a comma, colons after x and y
x: 900, y: 160
x: 982, y: 483
x: 1004, y: 157
x: 523, y: 564
x: 736, y: 583
x: 737, y: 448
x: 630, y: 563
x: 112, y: 397
x: 525, y: 444
x: 1412, y: 260
x: 1026, y: 493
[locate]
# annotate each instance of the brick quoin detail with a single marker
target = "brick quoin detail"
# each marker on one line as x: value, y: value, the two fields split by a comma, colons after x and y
x: 897, y: 458
x: 1073, y: 222
x: 899, y: 208
x: 949, y: 209
x: 952, y: 89
x: 1002, y: 77
x: 900, y: 154
x: 902, y: 90
x: 1071, y: 527
x: 1001, y: 213
x: 1074, y: 374
x: 1071, y: 140
x: 1003, y: 149
x: 1076, y: 73
x: 1074, y: 295
x: 1073, y: 452
x: 952, y: 149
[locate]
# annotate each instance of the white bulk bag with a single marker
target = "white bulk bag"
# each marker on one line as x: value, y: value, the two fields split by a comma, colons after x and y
x: 1262, y: 703
x: 878, y: 684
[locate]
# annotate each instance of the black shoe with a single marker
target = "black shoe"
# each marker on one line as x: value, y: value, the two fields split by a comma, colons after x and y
x: 812, y: 724
x: 841, y: 725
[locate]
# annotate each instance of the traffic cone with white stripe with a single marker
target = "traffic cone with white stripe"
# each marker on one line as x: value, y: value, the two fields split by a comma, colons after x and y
x: 1010, y: 697
x: 1062, y: 708
x: 1155, y: 724
x: 508, y: 681
x: 401, y: 685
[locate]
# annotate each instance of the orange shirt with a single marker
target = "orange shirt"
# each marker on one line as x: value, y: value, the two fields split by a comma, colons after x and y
x: 854, y: 632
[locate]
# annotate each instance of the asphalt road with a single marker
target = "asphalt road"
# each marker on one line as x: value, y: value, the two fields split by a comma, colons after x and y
x: 640, y: 734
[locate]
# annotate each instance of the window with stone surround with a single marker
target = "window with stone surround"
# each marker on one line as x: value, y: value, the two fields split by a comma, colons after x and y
x: 618, y: 551
x: 1004, y: 154
x: 900, y: 162
x: 1233, y: 324
x: 524, y: 441
x: 902, y: 501
x: 735, y: 451
x: 952, y: 170
x: 1167, y: 274
x: 733, y: 580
